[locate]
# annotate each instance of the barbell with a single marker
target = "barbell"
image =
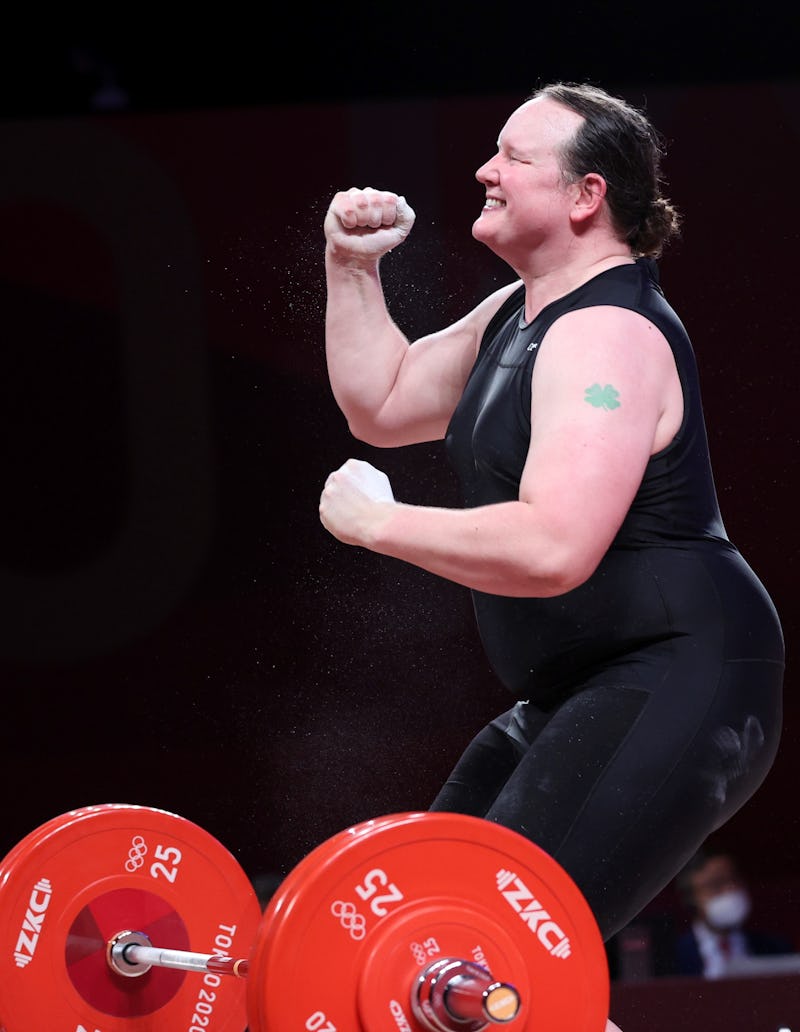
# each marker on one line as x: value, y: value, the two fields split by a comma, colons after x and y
x: 125, y: 918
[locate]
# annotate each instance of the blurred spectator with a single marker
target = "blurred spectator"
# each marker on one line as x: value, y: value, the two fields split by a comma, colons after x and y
x: 712, y: 888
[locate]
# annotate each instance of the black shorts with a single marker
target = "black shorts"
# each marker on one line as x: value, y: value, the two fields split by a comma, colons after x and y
x: 623, y: 780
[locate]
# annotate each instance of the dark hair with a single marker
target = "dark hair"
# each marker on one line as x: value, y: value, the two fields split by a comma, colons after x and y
x: 618, y: 142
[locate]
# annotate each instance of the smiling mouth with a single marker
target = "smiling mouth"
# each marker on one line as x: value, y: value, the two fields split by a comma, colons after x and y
x: 493, y: 202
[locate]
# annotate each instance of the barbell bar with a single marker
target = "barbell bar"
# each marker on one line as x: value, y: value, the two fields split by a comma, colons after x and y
x: 447, y: 993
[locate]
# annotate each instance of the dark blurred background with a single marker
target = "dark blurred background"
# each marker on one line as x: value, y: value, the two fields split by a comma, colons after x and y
x: 157, y: 60
x: 179, y: 631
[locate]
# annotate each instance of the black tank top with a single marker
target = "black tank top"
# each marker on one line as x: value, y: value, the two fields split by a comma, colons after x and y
x: 534, y: 644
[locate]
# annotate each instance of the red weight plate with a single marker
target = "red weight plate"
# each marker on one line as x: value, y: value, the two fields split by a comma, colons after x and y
x: 349, y: 931
x: 414, y: 931
x: 74, y: 883
x: 25, y: 843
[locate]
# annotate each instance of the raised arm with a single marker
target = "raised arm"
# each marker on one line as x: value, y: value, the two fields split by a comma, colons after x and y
x: 392, y: 392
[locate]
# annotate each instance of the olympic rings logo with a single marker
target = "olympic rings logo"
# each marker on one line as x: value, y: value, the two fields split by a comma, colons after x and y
x: 136, y: 854
x: 422, y: 952
x: 350, y: 919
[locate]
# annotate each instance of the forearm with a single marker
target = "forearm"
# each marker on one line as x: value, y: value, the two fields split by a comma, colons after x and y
x: 364, y: 348
x: 500, y: 549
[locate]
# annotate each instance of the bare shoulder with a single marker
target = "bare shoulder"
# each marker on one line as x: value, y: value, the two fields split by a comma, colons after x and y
x: 609, y: 326
x: 610, y: 338
x: 490, y: 305
x: 605, y: 352
x: 481, y: 315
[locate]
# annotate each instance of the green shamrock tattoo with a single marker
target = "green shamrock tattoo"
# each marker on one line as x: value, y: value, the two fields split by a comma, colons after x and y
x: 602, y: 397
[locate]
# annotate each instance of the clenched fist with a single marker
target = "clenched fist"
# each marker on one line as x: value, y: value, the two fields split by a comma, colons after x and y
x: 354, y: 502
x: 365, y: 224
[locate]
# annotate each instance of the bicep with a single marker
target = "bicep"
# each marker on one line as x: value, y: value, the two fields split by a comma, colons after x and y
x: 598, y: 392
x: 432, y: 377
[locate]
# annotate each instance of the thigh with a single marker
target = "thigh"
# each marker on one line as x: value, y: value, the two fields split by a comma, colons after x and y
x: 626, y: 781
x: 485, y: 766
x: 567, y: 765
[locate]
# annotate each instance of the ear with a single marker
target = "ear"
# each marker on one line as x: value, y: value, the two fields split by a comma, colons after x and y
x: 589, y: 196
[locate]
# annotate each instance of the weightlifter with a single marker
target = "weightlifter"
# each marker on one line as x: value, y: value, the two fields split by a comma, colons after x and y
x: 645, y: 655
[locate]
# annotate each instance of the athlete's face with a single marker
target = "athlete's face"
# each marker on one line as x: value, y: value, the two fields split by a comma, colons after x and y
x: 527, y: 201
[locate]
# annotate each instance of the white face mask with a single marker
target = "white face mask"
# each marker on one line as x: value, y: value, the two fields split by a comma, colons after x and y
x: 728, y: 910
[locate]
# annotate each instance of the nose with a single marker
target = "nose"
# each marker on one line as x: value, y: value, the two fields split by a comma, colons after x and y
x: 487, y: 173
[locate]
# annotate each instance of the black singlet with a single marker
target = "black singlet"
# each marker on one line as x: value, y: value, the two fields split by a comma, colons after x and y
x: 539, y: 646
